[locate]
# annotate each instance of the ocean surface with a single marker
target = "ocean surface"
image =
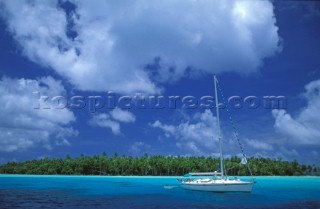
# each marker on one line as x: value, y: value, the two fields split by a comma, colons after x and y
x: 32, y: 191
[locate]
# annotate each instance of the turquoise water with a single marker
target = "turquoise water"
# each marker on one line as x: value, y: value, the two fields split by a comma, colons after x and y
x: 19, y: 191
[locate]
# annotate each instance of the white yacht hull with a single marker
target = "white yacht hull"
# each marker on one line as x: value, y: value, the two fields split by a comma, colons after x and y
x: 219, y: 187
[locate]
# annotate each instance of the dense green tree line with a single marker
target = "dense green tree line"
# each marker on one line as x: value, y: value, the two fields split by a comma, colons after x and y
x: 154, y: 165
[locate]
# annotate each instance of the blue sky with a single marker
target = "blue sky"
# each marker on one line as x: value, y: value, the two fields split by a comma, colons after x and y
x: 172, y: 48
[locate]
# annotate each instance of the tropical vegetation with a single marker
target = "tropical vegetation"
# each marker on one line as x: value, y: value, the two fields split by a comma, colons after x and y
x: 155, y: 165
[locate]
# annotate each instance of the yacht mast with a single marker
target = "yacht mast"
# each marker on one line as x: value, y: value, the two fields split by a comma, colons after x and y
x: 218, y: 124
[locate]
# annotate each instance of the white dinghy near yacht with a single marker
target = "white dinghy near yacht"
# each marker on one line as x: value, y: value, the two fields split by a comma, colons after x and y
x: 218, y: 181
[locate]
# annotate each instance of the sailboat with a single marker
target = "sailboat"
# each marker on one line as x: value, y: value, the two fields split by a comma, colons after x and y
x: 217, y: 181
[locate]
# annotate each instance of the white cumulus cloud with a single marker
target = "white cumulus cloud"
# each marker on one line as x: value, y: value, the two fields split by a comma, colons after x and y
x: 21, y: 125
x: 197, y: 134
x: 103, y: 120
x: 113, y: 119
x: 259, y: 145
x: 122, y: 115
x: 304, y: 128
x: 112, y: 41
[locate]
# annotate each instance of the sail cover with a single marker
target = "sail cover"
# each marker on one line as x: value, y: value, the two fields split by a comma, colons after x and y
x: 244, y: 161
